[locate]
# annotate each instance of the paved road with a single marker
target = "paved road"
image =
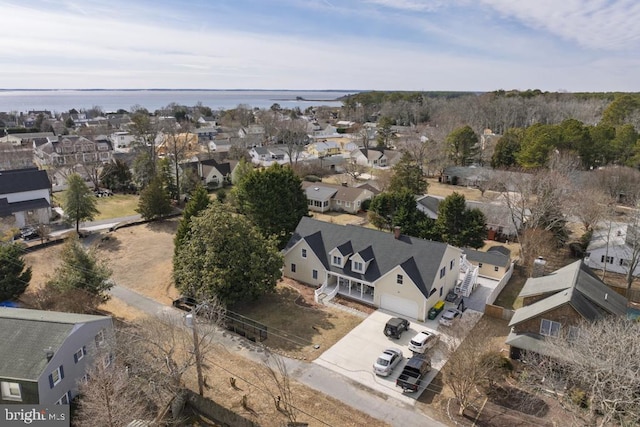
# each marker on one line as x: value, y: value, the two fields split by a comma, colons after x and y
x: 317, y: 377
x: 93, y: 226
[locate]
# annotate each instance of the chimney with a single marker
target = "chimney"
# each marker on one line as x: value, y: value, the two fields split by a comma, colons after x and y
x: 538, y: 267
x: 49, y: 353
x: 396, y: 232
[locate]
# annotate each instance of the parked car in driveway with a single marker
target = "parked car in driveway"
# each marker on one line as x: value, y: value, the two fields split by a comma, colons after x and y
x: 423, y: 341
x: 388, y: 360
x: 395, y: 327
x: 449, y: 316
x: 413, y: 373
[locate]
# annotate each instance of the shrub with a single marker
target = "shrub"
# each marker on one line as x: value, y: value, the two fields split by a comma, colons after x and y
x: 312, y: 178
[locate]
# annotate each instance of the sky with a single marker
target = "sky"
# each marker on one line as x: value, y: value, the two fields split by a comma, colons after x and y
x: 456, y: 45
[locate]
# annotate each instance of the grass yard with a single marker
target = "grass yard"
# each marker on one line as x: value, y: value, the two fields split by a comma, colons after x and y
x: 115, y: 206
x: 296, y: 324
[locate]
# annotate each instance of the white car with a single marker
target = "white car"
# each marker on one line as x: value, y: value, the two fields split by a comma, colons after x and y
x: 449, y: 316
x: 423, y: 341
x: 387, y: 361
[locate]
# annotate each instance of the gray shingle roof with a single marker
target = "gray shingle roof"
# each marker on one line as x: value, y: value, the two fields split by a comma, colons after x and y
x: 316, y: 191
x: 420, y: 258
x: 493, y: 257
x: 576, y: 285
x: 25, y: 334
x: 19, y: 180
x: 337, y: 192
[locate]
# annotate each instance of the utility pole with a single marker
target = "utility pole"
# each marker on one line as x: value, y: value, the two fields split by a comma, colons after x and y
x: 196, y: 349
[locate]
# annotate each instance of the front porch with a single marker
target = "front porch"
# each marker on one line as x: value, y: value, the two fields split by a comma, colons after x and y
x: 347, y: 287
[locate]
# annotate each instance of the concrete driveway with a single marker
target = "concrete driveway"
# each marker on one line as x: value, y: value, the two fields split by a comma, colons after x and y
x: 353, y: 356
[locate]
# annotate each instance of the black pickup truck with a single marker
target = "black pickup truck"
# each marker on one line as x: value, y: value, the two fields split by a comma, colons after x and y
x: 413, y: 373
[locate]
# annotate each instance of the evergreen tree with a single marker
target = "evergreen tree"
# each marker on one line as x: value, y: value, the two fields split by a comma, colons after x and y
x: 273, y: 200
x: 79, y: 202
x: 154, y: 201
x: 14, y: 277
x: 459, y: 226
x: 81, y: 270
x: 463, y: 146
x: 407, y: 174
x: 226, y: 256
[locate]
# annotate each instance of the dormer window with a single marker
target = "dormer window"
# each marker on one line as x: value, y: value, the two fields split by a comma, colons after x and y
x: 336, y: 260
x: 357, y: 266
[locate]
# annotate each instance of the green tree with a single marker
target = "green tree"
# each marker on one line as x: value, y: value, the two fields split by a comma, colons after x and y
x: 398, y: 209
x: 79, y: 202
x: 273, y: 200
x: 620, y: 109
x: 407, y: 173
x: 537, y: 144
x: 154, y: 201
x: 624, y: 144
x: 14, y: 275
x: 198, y: 202
x: 384, y: 134
x: 228, y: 257
x: 507, y: 148
x: 573, y: 135
x: 462, y: 145
x: 458, y: 225
x: 600, y: 152
x: 116, y: 176
x: 81, y: 270
x: 241, y: 170
x: 69, y: 123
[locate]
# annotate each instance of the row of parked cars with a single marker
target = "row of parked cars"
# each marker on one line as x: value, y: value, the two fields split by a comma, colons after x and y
x: 419, y: 364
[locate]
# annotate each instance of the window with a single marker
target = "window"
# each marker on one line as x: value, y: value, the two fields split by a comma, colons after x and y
x: 56, y: 376
x: 433, y: 291
x: 609, y: 259
x: 347, y: 204
x: 443, y: 272
x: 357, y: 266
x: 11, y: 391
x: 451, y: 265
x: 314, y: 273
x: 336, y: 260
x: 441, y: 291
x: 325, y: 203
x: 338, y: 202
x: 64, y: 400
x: 479, y: 265
x: 99, y: 338
x: 549, y: 328
x: 293, y: 268
x: 304, y: 253
x: 625, y: 262
x: 399, y: 279
x: 496, y: 268
x: 79, y: 354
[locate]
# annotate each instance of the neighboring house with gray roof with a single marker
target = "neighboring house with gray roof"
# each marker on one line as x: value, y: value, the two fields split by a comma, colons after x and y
x: 558, y: 303
x: 501, y: 225
x: 44, y: 354
x: 25, y: 194
x: 392, y: 271
x: 322, y: 197
x: 494, y: 263
x: 613, y: 246
x: 213, y: 174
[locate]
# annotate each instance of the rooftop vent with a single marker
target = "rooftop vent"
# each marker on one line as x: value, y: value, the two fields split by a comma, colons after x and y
x: 538, y: 267
x: 48, y: 353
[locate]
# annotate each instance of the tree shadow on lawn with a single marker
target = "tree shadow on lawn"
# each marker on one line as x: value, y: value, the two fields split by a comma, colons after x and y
x: 293, y: 324
x: 163, y: 226
x: 109, y: 242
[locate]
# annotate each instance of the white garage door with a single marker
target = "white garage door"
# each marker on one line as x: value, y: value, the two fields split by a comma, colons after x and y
x: 399, y: 305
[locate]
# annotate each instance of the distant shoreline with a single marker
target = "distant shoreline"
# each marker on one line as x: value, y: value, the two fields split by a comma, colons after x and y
x: 179, y: 90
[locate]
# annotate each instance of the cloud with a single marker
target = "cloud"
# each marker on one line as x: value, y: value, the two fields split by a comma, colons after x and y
x: 596, y: 24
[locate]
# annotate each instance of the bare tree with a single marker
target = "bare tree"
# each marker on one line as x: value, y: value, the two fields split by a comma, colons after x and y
x: 110, y: 395
x: 293, y: 134
x: 283, y: 397
x: 178, y: 141
x: 465, y: 370
x: 354, y: 169
x: 597, y: 366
